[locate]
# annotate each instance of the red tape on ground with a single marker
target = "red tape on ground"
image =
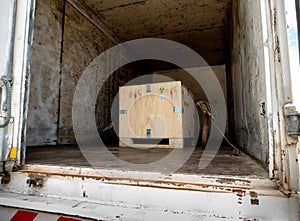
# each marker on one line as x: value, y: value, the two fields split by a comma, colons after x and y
x: 24, y: 216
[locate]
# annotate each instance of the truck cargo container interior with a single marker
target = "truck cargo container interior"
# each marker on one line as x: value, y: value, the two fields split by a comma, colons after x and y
x: 59, y: 96
x: 69, y: 34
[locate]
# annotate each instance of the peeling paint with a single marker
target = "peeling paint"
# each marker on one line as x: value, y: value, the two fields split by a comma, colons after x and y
x: 104, y: 198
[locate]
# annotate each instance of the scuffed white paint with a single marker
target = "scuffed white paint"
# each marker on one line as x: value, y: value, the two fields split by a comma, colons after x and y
x: 100, y: 198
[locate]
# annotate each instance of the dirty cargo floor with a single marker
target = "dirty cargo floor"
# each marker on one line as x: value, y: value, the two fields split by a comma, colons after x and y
x: 224, y: 162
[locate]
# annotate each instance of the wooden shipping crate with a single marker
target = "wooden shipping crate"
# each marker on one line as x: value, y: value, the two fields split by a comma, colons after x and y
x: 159, y: 114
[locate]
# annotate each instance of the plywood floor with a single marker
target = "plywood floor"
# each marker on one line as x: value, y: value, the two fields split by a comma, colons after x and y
x: 224, y: 163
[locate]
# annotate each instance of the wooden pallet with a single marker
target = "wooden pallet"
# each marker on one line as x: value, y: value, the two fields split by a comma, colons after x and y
x: 176, y: 143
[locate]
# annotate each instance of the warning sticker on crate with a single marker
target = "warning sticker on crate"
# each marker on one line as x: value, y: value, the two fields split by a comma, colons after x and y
x: 162, y: 92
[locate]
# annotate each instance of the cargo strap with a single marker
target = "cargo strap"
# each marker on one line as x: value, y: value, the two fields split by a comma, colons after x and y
x: 108, y: 127
x: 206, y: 109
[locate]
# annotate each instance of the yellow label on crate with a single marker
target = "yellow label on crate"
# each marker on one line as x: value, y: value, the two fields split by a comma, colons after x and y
x: 162, y: 92
x: 13, y: 153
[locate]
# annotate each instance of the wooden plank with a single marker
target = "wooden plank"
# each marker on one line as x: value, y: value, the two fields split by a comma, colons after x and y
x: 124, y: 99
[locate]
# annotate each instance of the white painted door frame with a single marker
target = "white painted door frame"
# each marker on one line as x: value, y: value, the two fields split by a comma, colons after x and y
x: 283, y: 164
x: 16, y: 21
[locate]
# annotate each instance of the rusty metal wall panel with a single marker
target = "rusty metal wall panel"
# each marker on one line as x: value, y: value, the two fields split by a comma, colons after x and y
x: 45, y: 69
x: 65, y: 42
x: 247, y: 78
x: 82, y: 43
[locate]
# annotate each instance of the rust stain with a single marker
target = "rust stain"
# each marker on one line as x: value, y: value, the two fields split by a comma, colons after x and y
x: 254, y: 202
x: 149, y: 183
x: 286, y: 180
x: 253, y: 194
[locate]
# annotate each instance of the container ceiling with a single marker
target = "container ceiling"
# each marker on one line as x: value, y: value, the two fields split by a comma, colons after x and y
x: 199, y: 24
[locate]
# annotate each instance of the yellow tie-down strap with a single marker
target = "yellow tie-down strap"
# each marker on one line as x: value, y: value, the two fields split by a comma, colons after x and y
x: 13, y: 153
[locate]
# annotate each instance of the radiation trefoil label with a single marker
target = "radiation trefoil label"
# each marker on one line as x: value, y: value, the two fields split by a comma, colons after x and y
x: 162, y: 92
